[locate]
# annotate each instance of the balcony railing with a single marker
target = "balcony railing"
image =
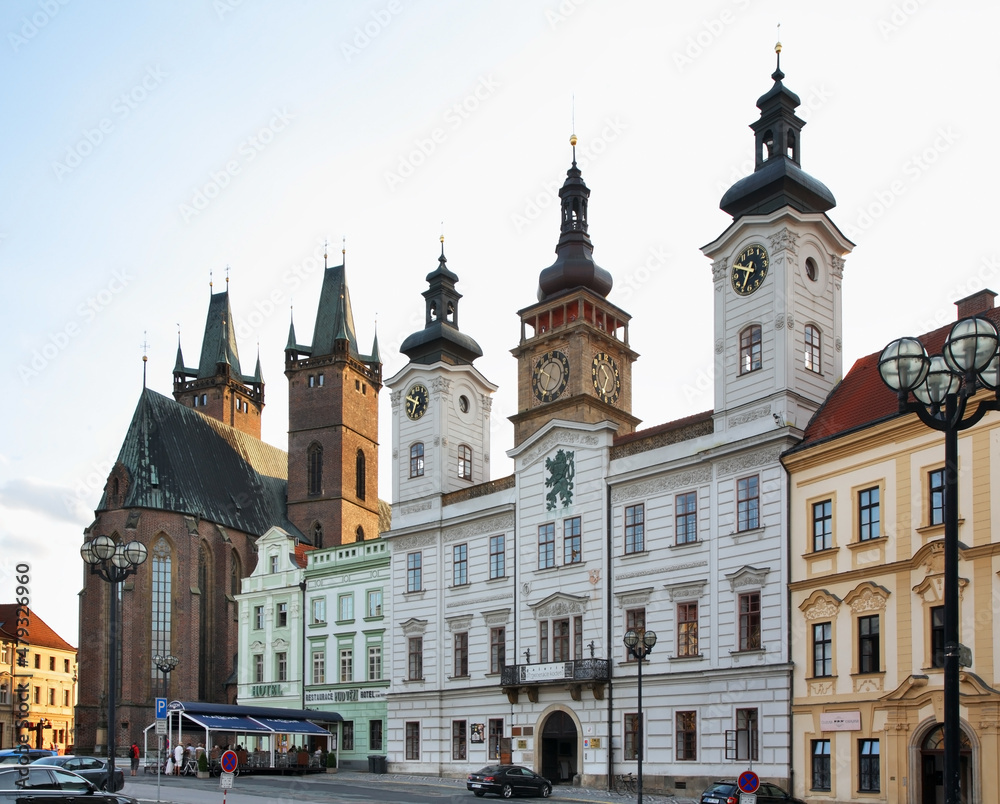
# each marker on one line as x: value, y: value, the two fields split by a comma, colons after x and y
x: 574, y: 675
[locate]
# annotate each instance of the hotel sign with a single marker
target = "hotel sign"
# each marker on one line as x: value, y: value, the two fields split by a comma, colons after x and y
x: 265, y: 690
x: 554, y: 671
x: 840, y: 721
x: 347, y: 696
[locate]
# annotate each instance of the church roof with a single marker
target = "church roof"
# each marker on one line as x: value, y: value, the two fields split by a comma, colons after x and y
x: 40, y: 634
x: 219, y: 343
x: 179, y: 460
x: 334, y: 318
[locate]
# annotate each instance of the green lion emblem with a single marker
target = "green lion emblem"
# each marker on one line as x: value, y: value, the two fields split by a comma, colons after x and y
x: 560, y: 479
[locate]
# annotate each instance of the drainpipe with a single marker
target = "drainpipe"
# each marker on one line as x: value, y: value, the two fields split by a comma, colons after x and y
x: 608, y: 639
x: 302, y: 686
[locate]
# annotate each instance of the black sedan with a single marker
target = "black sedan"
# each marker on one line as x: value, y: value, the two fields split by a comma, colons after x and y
x: 507, y: 781
x: 728, y: 792
x: 92, y: 769
x: 41, y: 783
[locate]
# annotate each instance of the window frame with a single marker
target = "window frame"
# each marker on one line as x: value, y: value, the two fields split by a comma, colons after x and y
x: 749, y: 621
x: 686, y: 518
x: 281, y: 614
x: 634, y: 523
x: 412, y: 744
x: 374, y: 662
x: 498, y: 648
x: 572, y: 540
x: 417, y: 459
x: 751, y: 340
x: 318, y: 666
x: 345, y: 660
x: 374, y: 596
x: 281, y: 666
x: 314, y: 469
x: 869, y: 766
x: 345, y: 607
x: 822, y: 525
x: 318, y: 610
x: 459, y: 740
x: 414, y: 572
x: 630, y: 734
x: 748, y: 722
x: 347, y: 735
x: 820, y: 777
x: 936, y: 616
x: 747, y: 503
x: 935, y: 497
x: 687, y: 629
x: 869, y: 644
x: 546, y: 545
x: 865, y: 510
x: 460, y: 565
x: 464, y: 462
x: 258, y: 618
x: 635, y: 620
x: 258, y: 668
x: 822, y: 649
x: 460, y: 654
x: 812, y: 353
x: 415, y: 658
x: 686, y: 736
x: 498, y: 556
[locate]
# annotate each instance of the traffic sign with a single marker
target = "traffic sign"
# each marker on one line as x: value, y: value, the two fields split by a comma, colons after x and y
x: 229, y: 762
x: 161, y: 708
x: 225, y: 781
x: 161, y: 727
x: 748, y: 782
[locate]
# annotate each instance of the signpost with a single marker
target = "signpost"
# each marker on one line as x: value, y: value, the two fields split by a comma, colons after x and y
x: 228, y: 761
x: 749, y: 782
x: 161, y: 730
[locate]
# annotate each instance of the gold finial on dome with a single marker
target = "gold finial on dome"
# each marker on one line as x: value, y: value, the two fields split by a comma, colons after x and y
x: 572, y: 140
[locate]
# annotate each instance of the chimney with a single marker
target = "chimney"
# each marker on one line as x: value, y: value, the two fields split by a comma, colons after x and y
x: 976, y: 304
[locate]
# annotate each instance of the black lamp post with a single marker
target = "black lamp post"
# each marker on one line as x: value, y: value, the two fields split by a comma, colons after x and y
x: 165, y: 664
x: 112, y: 562
x: 943, y: 385
x: 640, y: 644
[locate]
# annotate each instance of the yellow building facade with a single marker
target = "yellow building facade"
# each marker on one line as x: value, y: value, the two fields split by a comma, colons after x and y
x: 867, y: 597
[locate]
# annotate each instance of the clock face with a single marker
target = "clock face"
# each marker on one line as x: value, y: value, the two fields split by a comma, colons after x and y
x: 549, y: 376
x: 607, y: 381
x: 749, y: 269
x: 416, y: 401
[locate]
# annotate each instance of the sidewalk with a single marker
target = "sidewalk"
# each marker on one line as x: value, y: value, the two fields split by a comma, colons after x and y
x: 250, y: 789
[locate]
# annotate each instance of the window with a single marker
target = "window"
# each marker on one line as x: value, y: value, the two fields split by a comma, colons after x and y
x: 461, y: 666
x: 687, y: 736
x: 375, y: 603
x: 686, y: 517
x: 495, y: 736
x: 935, y: 482
x: 747, y: 503
x: 37, y: 695
x: 820, y: 765
x: 359, y: 474
x: 52, y: 697
x: 282, y: 615
x: 565, y: 642
x: 347, y: 735
x: 572, y: 547
x: 822, y: 525
x: 868, y: 515
x: 498, y: 649
x: 374, y: 662
x: 319, y: 667
x: 258, y: 617
x: 546, y: 546
x: 869, y: 767
x: 359, y: 534
x: 346, y: 665
x: 635, y: 541
x: 635, y: 620
x: 38, y: 661
x: 273, y: 564
x: 65, y: 665
x: 65, y: 699
x: 464, y: 462
x: 560, y: 641
x: 281, y: 666
x: 258, y: 668
x: 412, y: 740
x: 746, y: 734
x: 631, y: 750
x: 314, y: 463
x: 415, y: 655
x: 312, y: 380
x: 458, y: 739
x: 937, y: 636
x: 869, y: 659
x: 52, y: 663
x: 497, y: 556
x: 319, y: 610
x: 750, y: 621
x: 460, y: 565
x: 417, y: 460
x: 687, y: 629
x: 161, y: 600
x: 374, y: 735
x: 413, y: 572
x: 822, y: 649
x: 345, y: 607
x: 750, y: 350
x: 811, y: 354
x: 4, y: 692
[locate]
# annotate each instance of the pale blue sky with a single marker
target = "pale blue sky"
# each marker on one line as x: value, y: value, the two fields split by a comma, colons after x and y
x: 451, y: 111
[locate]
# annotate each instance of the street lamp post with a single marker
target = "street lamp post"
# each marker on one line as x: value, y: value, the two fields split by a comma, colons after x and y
x: 640, y: 644
x: 113, y: 563
x: 165, y: 664
x: 943, y: 385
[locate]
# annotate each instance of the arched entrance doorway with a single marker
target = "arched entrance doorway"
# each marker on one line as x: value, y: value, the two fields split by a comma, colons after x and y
x: 559, y: 748
x: 932, y: 766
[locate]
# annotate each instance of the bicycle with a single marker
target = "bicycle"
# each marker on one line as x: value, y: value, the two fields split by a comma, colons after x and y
x: 626, y: 783
x: 190, y: 768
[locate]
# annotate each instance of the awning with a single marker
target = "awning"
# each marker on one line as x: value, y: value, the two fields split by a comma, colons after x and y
x: 282, y: 726
x: 229, y: 723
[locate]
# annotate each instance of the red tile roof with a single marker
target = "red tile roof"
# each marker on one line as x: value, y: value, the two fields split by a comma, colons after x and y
x: 862, y: 399
x: 300, y: 553
x: 39, y: 634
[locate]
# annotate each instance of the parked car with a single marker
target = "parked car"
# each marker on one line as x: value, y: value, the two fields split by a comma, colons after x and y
x: 728, y: 792
x: 36, y: 782
x: 92, y: 769
x: 13, y: 756
x: 507, y: 781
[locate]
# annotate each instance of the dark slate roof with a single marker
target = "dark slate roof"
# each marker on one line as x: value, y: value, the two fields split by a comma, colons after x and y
x: 778, y: 183
x: 219, y: 343
x: 39, y: 632
x: 861, y: 399
x: 180, y: 460
x: 334, y: 318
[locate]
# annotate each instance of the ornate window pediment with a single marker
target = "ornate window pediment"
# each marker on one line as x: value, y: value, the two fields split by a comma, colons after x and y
x: 497, y: 617
x: 867, y: 596
x: 748, y: 578
x: 689, y: 590
x: 634, y: 598
x: 413, y: 626
x: 820, y: 605
x: 559, y: 604
x: 459, y: 623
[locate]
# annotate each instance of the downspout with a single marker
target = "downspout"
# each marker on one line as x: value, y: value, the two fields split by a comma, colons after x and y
x: 788, y: 639
x: 608, y: 640
x: 302, y: 686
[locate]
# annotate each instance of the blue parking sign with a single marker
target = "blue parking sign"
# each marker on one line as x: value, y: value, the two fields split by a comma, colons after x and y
x: 161, y: 708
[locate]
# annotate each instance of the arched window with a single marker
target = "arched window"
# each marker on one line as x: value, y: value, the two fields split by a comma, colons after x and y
x: 314, y: 456
x: 812, y: 354
x: 417, y: 460
x: 750, y: 349
x: 161, y: 598
x: 235, y: 574
x: 359, y: 534
x: 206, y: 624
x: 317, y: 535
x: 359, y: 474
x: 465, y: 462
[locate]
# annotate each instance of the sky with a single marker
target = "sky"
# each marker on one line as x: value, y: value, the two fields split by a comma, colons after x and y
x: 149, y: 148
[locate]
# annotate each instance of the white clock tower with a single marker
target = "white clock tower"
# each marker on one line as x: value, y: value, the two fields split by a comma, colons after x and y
x: 440, y: 402
x: 777, y: 271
